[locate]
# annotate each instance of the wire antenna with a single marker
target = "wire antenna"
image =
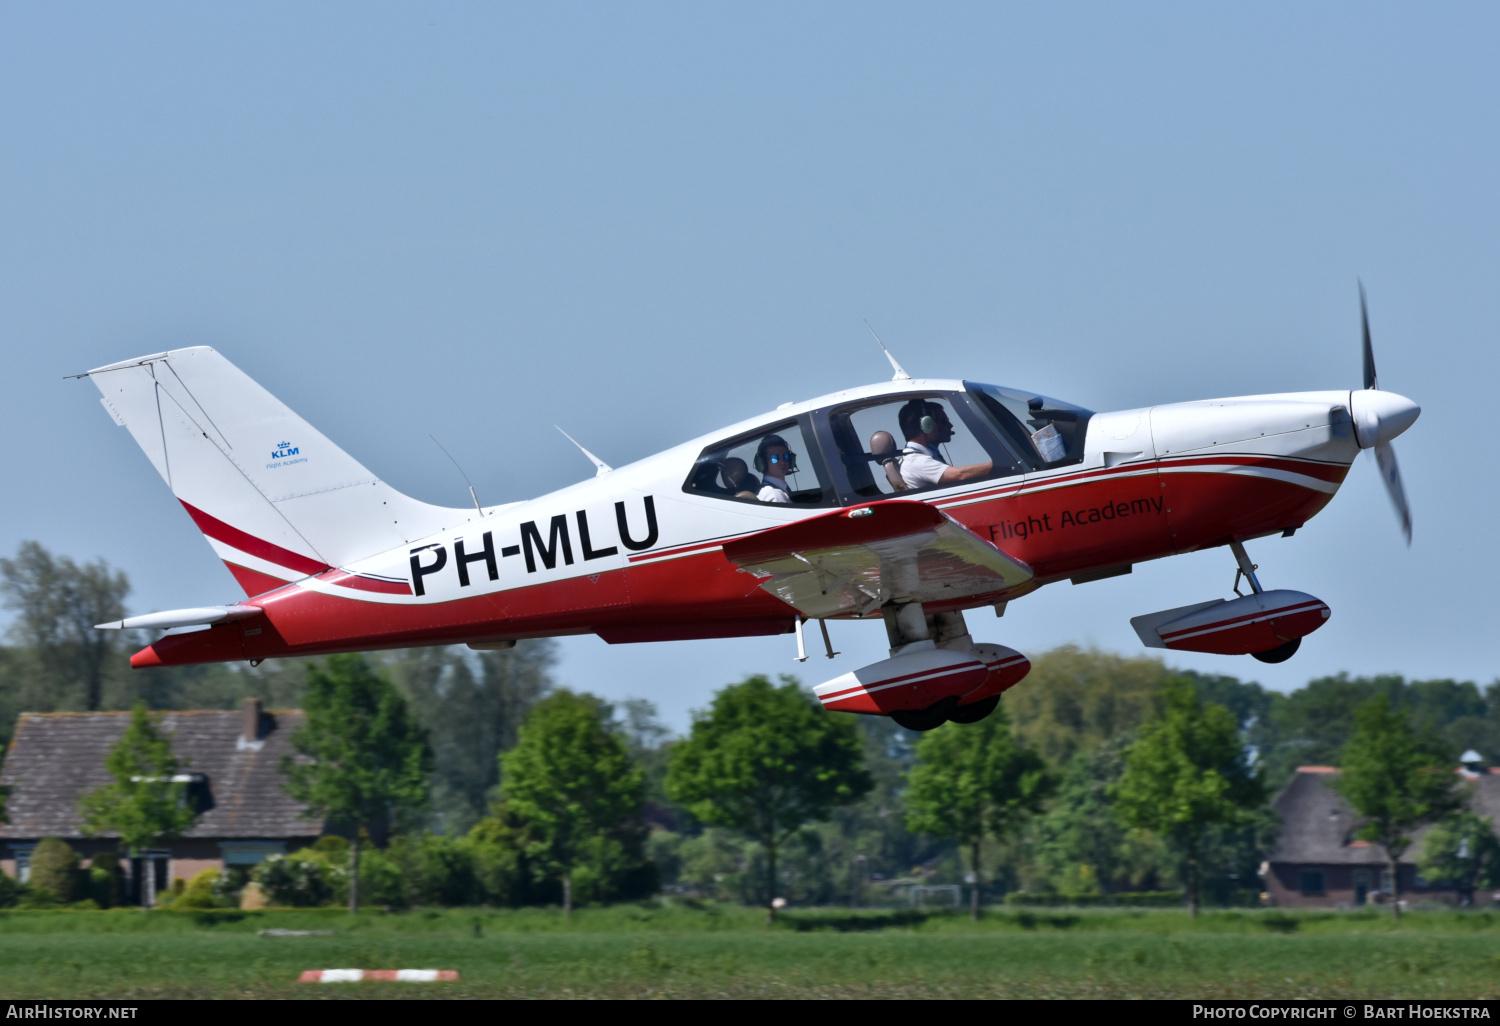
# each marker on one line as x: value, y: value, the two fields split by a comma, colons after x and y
x: 901, y: 374
x: 460, y: 470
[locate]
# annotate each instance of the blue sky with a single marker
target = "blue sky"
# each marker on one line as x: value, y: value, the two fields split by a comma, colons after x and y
x: 644, y: 221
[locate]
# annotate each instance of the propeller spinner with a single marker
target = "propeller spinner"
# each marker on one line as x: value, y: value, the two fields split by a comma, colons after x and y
x: 1378, y: 418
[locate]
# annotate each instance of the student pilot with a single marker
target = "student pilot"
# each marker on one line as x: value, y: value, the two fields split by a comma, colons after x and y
x: 926, y: 426
x: 774, y: 459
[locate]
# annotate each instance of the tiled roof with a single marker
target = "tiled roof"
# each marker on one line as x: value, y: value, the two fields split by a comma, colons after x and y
x: 1317, y: 825
x: 56, y: 758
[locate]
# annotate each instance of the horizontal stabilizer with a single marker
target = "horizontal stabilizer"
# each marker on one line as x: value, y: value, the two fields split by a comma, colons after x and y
x: 196, y: 617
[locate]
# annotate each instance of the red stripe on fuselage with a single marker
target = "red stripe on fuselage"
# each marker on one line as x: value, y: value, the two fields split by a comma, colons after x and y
x: 230, y: 535
x: 701, y: 585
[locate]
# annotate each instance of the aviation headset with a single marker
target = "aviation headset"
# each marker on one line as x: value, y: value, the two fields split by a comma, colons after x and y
x: 926, y: 409
x: 767, y: 442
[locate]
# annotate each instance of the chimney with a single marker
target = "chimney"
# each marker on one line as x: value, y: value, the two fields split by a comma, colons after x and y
x: 250, y: 720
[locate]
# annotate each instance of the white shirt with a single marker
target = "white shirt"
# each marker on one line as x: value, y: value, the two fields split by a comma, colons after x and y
x: 773, y: 489
x: 921, y: 466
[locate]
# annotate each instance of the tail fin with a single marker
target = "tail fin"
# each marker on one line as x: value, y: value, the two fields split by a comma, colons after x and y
x: 277, y: 500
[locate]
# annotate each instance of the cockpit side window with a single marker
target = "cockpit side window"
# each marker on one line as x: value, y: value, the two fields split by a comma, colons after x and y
x: 776, y: 466
x: 1046, y: 432
x: 889, y: 446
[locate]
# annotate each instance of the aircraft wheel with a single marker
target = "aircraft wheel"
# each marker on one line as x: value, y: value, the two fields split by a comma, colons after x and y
x: 975, y: 711
x: 1281, y: 653
x: 931, y: 718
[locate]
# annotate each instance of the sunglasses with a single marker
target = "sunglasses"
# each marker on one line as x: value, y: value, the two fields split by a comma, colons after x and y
x: 787, y: 458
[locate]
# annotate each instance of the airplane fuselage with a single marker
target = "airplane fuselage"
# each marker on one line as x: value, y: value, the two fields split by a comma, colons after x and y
x: 637, y: 554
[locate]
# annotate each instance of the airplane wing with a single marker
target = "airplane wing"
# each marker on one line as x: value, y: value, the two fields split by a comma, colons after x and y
x: 852, y: 561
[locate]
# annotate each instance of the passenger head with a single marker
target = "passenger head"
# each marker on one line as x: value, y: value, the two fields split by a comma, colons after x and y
x: 926, y: 420
x: 774, y: 457
x: 735, y: 472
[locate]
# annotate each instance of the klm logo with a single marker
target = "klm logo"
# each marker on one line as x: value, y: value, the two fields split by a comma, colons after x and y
x: 283, y: 450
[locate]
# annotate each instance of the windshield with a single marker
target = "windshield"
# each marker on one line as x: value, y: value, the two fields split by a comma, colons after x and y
x: 1047, y: 432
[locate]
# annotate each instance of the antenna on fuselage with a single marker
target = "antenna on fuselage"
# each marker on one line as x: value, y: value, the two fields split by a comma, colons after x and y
x: 604, y: 468
x: 901, y: 374
x: 460, y: 470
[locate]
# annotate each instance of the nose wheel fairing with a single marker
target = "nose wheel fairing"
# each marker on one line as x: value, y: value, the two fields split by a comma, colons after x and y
x: 1244, y: 626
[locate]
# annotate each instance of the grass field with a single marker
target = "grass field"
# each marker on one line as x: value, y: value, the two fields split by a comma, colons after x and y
x: 681, y: 951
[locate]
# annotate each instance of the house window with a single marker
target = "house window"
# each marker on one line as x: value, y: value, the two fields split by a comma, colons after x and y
x: 1310, y: 881
x: 22, y: 852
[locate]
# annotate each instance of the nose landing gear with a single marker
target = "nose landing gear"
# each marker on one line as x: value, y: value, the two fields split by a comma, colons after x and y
x: 1281, y: 654
x: 1269, y: 625
x: 1245, y: 568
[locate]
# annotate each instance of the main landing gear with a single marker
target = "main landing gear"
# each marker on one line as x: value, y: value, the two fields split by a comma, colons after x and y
x: 935, y: 673
x: 907, y: 626
x: 935, y: 715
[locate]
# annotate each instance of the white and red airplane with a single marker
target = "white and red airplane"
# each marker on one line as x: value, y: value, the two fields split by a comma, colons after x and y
x: 814, y: 511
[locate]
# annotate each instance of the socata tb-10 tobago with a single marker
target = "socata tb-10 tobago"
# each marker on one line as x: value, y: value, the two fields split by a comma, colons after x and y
x: 815, y: 511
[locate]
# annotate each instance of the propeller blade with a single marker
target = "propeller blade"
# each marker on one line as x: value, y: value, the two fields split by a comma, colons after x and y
x: 1364, y: 321
x: 1385, y: 458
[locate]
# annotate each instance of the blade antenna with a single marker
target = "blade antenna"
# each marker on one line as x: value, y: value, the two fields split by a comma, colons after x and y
x: 604, y: 468
x: 901, y: 374
x: 1364, y: 322
x: 460, y: 470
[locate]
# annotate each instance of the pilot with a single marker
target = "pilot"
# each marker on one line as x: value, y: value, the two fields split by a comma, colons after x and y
x: 774, y: 459
x: 926, y: 426
x: 738, y: 479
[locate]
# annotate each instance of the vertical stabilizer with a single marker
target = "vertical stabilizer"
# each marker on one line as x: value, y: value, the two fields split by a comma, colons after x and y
x: 277, y: 500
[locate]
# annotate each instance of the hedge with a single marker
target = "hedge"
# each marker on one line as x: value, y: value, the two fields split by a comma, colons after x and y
x: 1131, y: 899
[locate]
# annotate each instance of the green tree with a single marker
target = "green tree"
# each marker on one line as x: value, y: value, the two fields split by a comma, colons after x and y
x: 1079, y: 838
x: 570, y: 780
x: 1462, y: 850
x: 106, y: 886
x: 54, y: 869
x: 1188, y: 779
x: 1076, y: 699
x: 1312, y: 724
x: 367, y: 759
x: 765, y: 761
x: 57, y: 603
x: 973, y: 781
x: 1397, y: 779
x: 473, y: 705
x: 145, y: 805
x: 868, y: 838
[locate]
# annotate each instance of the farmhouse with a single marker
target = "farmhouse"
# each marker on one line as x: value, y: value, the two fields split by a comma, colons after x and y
x: 230, y: 765
x: 1318, y: 863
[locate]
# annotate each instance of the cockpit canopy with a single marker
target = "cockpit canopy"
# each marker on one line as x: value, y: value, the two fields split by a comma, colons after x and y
x: 914, y: 440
